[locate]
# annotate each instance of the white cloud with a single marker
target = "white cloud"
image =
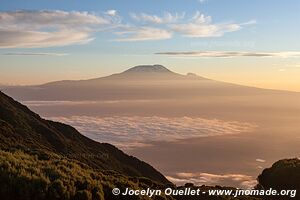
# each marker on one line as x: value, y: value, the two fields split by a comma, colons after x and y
x: 142, y: 34
x: 166, y: 18
x: 111, y: 12
x: 202, y: 26
x: 127, y: 132
x: 235, y: 180
x: 228, y: 54
x: 29, y: 29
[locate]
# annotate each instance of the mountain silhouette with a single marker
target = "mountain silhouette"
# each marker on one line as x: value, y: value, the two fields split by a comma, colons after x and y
x: 139, y: 82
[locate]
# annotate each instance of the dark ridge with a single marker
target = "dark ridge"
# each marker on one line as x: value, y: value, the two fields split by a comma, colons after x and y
x: 284, y: 174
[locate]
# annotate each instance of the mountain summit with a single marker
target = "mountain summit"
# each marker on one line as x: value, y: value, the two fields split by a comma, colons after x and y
x: 148, y: 68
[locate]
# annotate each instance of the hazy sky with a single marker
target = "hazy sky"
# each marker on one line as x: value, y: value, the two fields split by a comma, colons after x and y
x: 249, y: 42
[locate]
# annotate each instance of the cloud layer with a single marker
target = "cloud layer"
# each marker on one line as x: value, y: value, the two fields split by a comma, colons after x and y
x: 229, y: 54
x: 130, y: 132
x: 235, y: 180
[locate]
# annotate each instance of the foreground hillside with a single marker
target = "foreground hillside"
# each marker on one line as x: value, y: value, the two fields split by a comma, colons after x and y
x: 29, y: 177
x: 51, y: 177
x: 24, y: 130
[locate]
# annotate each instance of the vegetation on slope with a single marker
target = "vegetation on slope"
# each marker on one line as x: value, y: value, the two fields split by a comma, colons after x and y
x: 29, y: 177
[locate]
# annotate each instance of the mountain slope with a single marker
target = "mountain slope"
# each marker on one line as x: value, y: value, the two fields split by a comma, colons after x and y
x: 24, y: 130
x: 28, y: 177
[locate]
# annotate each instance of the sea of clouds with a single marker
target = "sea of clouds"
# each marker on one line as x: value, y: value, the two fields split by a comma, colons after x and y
x: 135, y: 131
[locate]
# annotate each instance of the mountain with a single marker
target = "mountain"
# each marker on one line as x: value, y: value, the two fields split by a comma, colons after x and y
x: 140, y: 72
x: 24, y: 130
x: 140, y: 82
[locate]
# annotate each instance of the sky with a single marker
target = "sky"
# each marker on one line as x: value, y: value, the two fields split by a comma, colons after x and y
x: 252, y: 43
